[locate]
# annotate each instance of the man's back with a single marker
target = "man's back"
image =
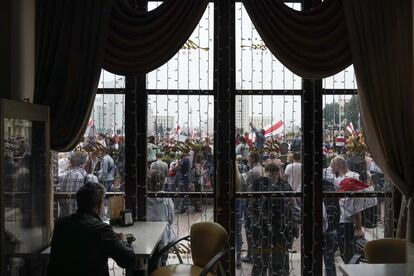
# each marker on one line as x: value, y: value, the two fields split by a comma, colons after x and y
x: 161, y: 166
x: 81, y: 245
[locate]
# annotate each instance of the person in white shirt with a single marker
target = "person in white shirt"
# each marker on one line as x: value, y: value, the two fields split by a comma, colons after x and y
x: 350, y: 224
x: 294, y: 173
x: 152, y: 150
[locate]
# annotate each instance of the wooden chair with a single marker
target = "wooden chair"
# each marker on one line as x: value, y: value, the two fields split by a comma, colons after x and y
x: 208, y: 241
x: 386, y: 251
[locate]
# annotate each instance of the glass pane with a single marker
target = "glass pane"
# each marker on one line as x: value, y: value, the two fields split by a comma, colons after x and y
x: 26, y: 200
x: 360, y: 216
x: 343, y: 80
x: 256, y: 67
x: 181, y: 136
x: 100, y: 155
x: 109, y: 80
x: 192, y: 66
x: 268, y: 158
x: 180, y: 161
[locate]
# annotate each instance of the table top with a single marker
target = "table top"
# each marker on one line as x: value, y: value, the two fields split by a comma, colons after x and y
x: 147, y: 236
x: 373, y: 269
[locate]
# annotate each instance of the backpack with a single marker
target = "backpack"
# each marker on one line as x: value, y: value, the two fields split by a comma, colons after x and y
x: 333, y: 210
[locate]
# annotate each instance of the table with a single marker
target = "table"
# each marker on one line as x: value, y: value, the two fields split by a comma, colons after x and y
x: 147, y: 237
x: 374, y: 269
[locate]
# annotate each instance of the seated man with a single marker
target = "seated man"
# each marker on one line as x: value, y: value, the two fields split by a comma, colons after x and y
x: 82, y: 242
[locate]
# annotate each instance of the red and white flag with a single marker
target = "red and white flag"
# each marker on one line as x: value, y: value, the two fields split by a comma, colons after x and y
x: 274, y: 129
x: 350, y: 129
x: 175, y: 132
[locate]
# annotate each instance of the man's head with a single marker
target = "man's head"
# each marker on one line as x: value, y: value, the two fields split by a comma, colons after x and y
x: 339, y: 166
x: 159, y: 155
x: 272, y: 155
x: 78, y: 159
x: 90, y: 197
x: 151, y: 139
x: 296, y: 157
x: 272, y: 170
x: 253, y: 158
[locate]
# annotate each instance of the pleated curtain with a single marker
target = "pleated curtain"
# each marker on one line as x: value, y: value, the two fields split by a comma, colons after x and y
x: 69, y: 54
x: 312, y: 44
x: 381, y: 39
x: 139, y: 42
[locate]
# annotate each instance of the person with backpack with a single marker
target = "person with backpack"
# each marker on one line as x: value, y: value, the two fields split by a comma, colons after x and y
x: 272, y: 225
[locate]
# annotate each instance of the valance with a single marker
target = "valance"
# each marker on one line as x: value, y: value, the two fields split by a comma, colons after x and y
x: 312, y: 44
x: 139, y: 42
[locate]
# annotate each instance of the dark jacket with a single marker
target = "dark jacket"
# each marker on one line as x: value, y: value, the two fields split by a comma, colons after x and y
x: 274, y: 213
x: 81, y: 245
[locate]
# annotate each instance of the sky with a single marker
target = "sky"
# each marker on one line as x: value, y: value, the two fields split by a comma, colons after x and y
x: 256, y: 69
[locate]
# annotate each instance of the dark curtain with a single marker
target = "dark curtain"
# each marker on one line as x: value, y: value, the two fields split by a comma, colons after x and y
x: 69, y: 53
x: 381, y: 38
x: 139, y: 42
x: 312, y: 44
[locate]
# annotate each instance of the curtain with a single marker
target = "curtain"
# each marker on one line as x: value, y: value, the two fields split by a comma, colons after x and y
x: 139, y: 42
x: 381, y: 34
x: 69, y: 55
x: 312, y: 44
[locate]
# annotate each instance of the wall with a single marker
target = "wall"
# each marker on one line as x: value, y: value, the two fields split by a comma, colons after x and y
x: 17, y: 62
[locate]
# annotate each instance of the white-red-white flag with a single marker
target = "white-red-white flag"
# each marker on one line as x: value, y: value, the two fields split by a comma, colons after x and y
x: 274, y: 129
x: 350, y: 129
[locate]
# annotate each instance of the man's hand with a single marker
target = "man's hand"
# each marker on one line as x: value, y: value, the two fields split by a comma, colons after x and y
x: 122, y: 236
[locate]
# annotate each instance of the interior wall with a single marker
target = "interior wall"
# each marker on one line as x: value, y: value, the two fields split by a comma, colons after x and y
x: 17, y: 64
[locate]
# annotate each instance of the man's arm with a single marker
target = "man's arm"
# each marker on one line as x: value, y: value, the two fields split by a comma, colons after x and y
x: 117, y: 248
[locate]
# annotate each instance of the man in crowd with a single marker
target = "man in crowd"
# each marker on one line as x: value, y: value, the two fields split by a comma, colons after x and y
x: 106, y: 174
x: 152, y: 150
x: 255, y: 172
x: 72, y: 180
x: 294, y: 172
x: 82, y: 242
x: 260, y: 138
x: 350, y: 226
x: 273, y: 229
x: 160, y: 165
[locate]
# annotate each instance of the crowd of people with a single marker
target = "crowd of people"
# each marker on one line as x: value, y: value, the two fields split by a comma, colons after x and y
x: 271, y: 223
x: 99, y: 160
x: 264, y: 164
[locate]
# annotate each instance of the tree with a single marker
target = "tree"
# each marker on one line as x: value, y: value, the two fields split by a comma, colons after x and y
x: 331, y: 113
x: 352, y: 111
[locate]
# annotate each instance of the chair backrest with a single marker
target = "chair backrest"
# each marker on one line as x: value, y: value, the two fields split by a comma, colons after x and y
x: 207, y: 239
x: 386, y: 251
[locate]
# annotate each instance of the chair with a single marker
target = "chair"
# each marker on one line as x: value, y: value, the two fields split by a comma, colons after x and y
x: 386, y: 251
x: 208, y: 241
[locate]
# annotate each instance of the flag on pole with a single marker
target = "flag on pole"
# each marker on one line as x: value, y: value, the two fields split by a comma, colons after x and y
x: 175, y: 132
x: 350, y: 129
x: 90, y: 133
